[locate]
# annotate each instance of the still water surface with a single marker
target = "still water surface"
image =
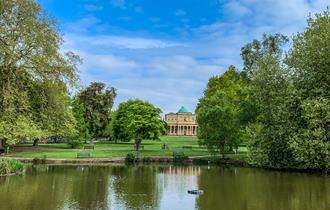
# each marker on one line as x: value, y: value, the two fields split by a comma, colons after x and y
x: 48, y: 187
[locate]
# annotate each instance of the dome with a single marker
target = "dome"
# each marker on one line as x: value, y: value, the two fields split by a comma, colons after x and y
x: 183, y: 110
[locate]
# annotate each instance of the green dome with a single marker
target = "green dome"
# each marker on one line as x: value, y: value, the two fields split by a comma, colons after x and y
x: 183, y: 109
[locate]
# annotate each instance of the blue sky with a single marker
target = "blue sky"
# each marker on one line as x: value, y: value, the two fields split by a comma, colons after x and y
x: 164, y: 51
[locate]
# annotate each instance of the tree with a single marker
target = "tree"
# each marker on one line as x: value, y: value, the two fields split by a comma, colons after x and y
x: 138, y: 120
x: 252, y: 52
x: 97, y: 101
x: 233, y: 86
x: 309, y: 62
x: 82, y: 134
x: 34, y: 75
x: 217, y: 121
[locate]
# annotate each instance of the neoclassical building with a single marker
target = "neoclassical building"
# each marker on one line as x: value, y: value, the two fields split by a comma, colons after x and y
x: 182, y: 123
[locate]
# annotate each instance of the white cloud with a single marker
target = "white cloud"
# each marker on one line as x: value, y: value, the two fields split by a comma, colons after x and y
x: 174, y: 73
x: 121, y: 42
x: 235, y: 8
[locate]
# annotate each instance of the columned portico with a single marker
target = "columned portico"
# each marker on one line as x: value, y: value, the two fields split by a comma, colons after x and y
x: 182, y: 123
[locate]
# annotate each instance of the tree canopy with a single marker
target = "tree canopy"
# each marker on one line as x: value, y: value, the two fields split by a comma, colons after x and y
x: 97, y: 101
x: 34, y: 74
x: 138, y: 120
x: 280, y: 103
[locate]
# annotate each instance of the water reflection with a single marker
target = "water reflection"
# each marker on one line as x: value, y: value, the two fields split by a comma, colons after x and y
x: 162, y: 187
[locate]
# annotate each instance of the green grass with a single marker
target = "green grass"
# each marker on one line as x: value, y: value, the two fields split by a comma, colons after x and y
x: 152, y: 148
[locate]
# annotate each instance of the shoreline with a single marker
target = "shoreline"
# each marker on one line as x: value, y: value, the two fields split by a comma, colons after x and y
x: 96, y: 161
x: 156, y: 160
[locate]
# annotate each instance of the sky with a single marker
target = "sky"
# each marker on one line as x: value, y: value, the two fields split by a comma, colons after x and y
x: 164, y: 51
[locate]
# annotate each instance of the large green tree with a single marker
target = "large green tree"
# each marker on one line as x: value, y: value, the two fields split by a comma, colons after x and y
x: 82, y: 134
x: 34, y: 75
x: 217, y: 121
x: 231, y: 91
x: 97, y: 101
x: 138, y: 120
x: 292, y: 96
x: 309, y: 63
x: 269, y: 89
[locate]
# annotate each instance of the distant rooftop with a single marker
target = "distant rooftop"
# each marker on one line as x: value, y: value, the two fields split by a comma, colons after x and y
x: 183, y: 110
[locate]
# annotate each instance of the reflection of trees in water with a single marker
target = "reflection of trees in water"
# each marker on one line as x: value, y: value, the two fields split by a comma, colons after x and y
x: 250, y: 189
x: 90, y: 187
x: 56, y: 187
x: 136, y: 186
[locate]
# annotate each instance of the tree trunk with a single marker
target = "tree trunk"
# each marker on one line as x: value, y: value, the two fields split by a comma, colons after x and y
x: 2, y: 144
x: 137, y: 143
x: 35, y: 142
x: 222, y: 150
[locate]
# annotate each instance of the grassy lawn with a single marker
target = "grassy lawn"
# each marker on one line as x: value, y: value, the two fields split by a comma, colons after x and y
x: 111, y: 149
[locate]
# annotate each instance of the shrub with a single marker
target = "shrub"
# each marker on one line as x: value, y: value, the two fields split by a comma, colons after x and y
x: 75, y: 142
x: 179, y: 157
x: 10, y: 166
x: 131, y: 158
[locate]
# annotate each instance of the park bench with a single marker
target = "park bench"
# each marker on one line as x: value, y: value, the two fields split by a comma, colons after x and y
x: 83, y: 154
x: 89, y: 147
x: 187, y: 147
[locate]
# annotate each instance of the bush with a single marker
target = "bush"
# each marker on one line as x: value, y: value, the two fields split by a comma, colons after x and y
x: 75, y: 142
x: 10, y: 166
x: 179, y: 157
x: 131, y: 158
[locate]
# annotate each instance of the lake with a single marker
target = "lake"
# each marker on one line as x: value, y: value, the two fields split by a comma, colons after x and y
x: 48, y: 187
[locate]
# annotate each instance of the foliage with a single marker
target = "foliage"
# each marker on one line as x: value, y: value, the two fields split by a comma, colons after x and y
x: 309, y: 62
x: 226, y: 96
x: 217, y: 120
x: 131, y: 158
x: 179, y: 157
x: 280, y: 104
x: 257, y: 50
x: 293, y: 102
x: 10, y: 166
x: 138, y: 120
x: 97, y: 100
x: 81, y: 125
x: 34, y: 75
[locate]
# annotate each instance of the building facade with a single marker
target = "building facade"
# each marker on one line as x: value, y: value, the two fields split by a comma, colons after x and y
x: 182, y: 123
